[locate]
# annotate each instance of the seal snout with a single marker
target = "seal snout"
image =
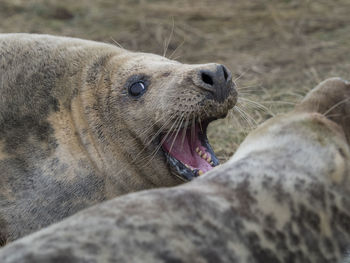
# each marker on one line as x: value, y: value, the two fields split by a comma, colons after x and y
x: 216, y: 79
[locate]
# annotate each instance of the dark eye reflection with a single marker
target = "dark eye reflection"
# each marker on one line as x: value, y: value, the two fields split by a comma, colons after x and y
x: 137, y: 89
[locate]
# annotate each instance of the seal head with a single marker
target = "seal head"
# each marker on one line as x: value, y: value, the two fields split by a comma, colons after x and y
x: 82, y: 122
x: 167, y: 107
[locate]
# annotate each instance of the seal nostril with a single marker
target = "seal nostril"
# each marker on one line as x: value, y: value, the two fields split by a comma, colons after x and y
x: 225, y: 72
x: 207, y: 79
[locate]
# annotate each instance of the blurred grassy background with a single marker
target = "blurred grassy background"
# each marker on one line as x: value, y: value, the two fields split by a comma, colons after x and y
x: 276, y: 49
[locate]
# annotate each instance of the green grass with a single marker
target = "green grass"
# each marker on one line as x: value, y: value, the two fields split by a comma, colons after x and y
x: 278, y: 49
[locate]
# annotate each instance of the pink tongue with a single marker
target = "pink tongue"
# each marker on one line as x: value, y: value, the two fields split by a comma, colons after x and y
x: 185, y: 151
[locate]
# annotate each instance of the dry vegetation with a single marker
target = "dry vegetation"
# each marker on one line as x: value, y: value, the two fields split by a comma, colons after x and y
x: 277, y: 50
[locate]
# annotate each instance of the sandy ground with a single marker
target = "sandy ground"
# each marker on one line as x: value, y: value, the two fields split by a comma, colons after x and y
x: 276, y: 49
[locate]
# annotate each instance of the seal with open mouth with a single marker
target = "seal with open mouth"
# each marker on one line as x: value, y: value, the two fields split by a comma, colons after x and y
x: 187, y: 148
x: 82, y: 122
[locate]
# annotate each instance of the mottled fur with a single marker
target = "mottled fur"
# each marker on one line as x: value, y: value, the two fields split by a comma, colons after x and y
x: 283, y: 197
x: 71, y: 136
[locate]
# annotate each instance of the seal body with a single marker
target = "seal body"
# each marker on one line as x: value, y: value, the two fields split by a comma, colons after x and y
x: 283, y: 197
x: 76, y: 129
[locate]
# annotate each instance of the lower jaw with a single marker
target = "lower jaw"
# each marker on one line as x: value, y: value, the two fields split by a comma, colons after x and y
x: 178, y: 169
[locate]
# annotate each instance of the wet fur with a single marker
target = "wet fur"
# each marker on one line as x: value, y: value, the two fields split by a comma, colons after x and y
x: 71, y: 137
x: 283, y: 197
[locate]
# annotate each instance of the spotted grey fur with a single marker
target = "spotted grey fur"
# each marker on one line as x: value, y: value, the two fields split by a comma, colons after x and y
x: 283, y: 197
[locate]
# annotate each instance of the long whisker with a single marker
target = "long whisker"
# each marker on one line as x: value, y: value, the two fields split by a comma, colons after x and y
x: 177, y: 132
x: 193, y: 129
x: 244, y: 118
x: 335, y: 105
x: 240, y: 88
x: 116, y: 42
x: 280, y: 102
x: 250, y: 121
x: 240, y: 76
x: 176, y: 58
x: 169, y: 39
x: 148, y: 129
x: 161, y: 129
x: 257, y: 105
x: 153, y: 154
x: 184, y: 131
x: 152, y: 126
x: 200, y: 124
x: 243, y: 108
x: 245, y: 92
x: 233, y: 116
x: 144, y: 148
x: 179, y: 46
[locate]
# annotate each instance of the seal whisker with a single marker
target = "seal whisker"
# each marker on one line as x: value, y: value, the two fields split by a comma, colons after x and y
x: 177, y: 131
x: 193, y: 126
x: 281, y: 102
x: 233, y: 117
x: 243, y: 115
x: 240, y: 76
x: 160, y: 129
x: 144, y: 132
x: 253, y: 87
x: 153, y: 125
x: 135, y: 159
x: 151, y: 156
x: 177, y: 57
x: 246, y: 93
x: 167, y: 42
x: 205, y: 111
x: 335, y: 106
x: 157, y: 133
x: 255, y: 104
x: 184, y: 131
x: 153, y: 137
x: 200, y: 124
x: 179, y: 46
x: 116, y: 43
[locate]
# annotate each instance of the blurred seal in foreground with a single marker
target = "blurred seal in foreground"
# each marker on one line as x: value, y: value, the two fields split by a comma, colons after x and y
x: 82, y: 122
x: 283, y: 197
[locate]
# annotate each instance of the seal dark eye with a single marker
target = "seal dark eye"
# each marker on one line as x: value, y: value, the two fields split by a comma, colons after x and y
x: 137, y: 89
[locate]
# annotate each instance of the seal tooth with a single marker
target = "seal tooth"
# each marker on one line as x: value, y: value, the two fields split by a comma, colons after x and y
x: 211, y: 163
x: 200, y: 172
x: 200, y: 153
x: 209, y: 158
x: 197, y: 149
x: 204, y: 156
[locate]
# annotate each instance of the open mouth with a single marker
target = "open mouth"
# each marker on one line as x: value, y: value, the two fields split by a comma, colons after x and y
x: 189, y: 152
